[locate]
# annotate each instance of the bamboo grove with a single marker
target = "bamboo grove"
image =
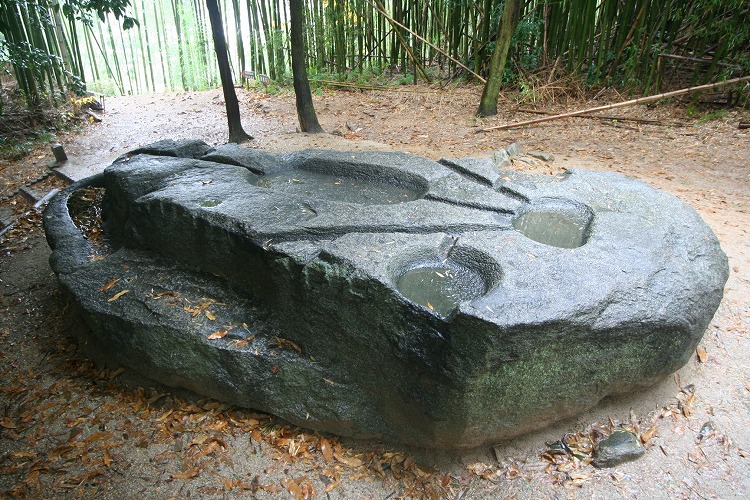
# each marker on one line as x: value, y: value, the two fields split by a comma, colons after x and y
x: 51, y: 44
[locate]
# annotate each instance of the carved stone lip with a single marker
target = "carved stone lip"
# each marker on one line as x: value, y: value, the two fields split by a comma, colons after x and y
x: 472, y: 307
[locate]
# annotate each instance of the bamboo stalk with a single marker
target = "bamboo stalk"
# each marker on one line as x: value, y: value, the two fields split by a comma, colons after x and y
x: 478, y: 77
x: 417, y: 65
x: 632, y: 102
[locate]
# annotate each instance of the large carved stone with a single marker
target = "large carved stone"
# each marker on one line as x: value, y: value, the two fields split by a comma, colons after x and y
x: 441, y: 304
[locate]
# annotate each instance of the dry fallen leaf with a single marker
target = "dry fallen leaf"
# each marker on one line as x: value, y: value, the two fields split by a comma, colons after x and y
x: 117, y: 296
x: 292, y: 487
x: 646, y: 436
x: 348, y: 461
x: 217, y: 335
x: 242, y: 343
x: 210, y: 315
x: 701, y: 353
x: 194, y: 311
x: 188, y: 474
x: 332, y: 486
x: 688, y: 406
x: 109, y: 284
x: 325, y: 449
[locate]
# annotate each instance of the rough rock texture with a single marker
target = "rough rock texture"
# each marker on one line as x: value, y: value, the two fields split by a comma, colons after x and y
x: 619, y: 447
x: 389, y: 296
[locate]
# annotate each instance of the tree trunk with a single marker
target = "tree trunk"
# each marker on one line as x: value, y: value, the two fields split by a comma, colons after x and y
x: 488, y: 103
x: 308, y: 120
x: 178, y: 27
x: 236, y: 132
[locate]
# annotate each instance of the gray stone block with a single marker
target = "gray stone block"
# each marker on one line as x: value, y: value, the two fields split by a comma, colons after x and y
x: 383, y: 295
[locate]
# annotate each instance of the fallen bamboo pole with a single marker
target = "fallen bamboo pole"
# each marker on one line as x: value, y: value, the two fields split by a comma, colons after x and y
x: 614, y: 118
x: 617, y: 105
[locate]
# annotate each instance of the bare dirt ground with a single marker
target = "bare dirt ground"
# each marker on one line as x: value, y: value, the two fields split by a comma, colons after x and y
x: 70, y: 429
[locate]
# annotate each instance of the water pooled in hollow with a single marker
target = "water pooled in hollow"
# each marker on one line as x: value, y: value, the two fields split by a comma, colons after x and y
x: 337, y: 188
x: 441, y: 288
x: 552, y: 228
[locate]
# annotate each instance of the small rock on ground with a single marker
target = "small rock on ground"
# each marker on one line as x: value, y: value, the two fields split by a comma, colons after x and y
x: 620, y: 447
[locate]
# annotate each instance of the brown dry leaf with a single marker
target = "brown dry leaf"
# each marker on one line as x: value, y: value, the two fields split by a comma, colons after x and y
x: 188, y: 474
x: 117, y: 295
x: 348, y: 461
x: 281, y: 343
x: 332, y: 486
x: 270, y: 488
x: 688, y: 406
x: 292, y: 487
x: 206, y: 303
x: 8, y: 423
x: 194, y: 311
x: 109, y: 284
x: 701, y: 353
x: 483, y: 470
x: 210, y: 315
x: 168, y: 293
x: 308, y: 490
x: 242, y: 343
x: 98, y: 436
x: 646, y: 436
x: 107, y: 459
x: 220, y: 334
x: 325, y: 449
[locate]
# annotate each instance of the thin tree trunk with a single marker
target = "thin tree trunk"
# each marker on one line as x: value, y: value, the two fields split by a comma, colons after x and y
x: 90, y: 50
x: 181, y: 52
x: 236, y: 132
x: 417, y: 65
x: 161, y: 37
x: 148, y: 68
x: 101, y: 47
x: 61, y: 39
x: 240, y: 42
x: 488, y: 102
x: 308, y: 120
x: 114, y: 56
x: 264, y: 19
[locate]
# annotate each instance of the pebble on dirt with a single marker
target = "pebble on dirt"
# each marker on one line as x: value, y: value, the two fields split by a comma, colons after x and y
x: 620, y: 447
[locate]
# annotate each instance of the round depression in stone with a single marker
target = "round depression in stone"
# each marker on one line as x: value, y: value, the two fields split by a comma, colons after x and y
x: 441, y: 286
x: 341, y: 188
x: 556, y: 223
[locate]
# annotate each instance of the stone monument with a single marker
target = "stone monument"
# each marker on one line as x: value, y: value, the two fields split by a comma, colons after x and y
x: 382, y: 295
